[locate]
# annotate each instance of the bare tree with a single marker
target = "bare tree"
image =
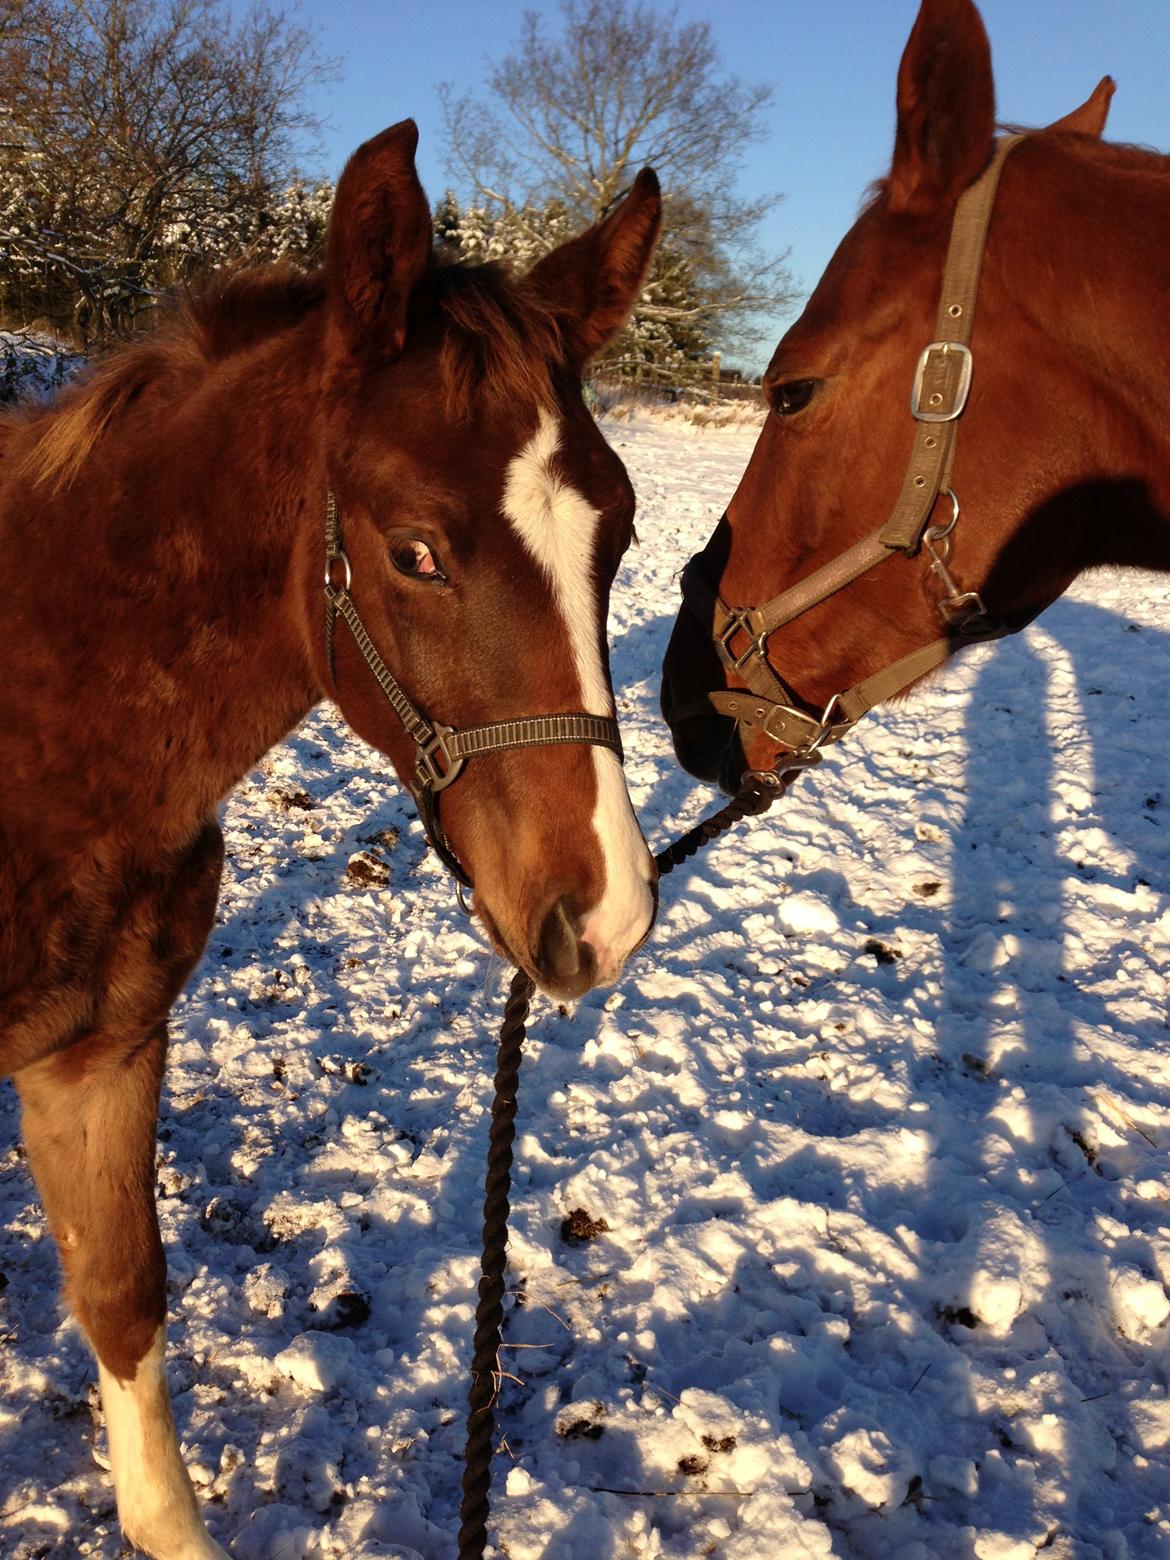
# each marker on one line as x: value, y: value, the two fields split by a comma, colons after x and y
x: 138, y: 138
x: 572, y: 117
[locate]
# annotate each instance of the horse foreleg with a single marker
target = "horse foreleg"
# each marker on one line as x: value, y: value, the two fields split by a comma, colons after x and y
x: 89, y: 1117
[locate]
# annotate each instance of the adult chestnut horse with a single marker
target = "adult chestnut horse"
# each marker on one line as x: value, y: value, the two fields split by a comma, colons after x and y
x: 163, y: 536
x: 836, y: 577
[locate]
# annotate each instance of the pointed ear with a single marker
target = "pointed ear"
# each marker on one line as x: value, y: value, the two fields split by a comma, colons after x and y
x: 1090, y: 118
x: 595, y: 279
x: 379, y: 247
x: 946, y: 108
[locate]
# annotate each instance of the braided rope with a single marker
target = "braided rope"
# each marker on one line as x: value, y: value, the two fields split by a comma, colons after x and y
x: 755, y: 798
x: 489, y: 1314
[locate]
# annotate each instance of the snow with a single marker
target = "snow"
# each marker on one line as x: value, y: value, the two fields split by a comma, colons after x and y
x: 876, y: 1125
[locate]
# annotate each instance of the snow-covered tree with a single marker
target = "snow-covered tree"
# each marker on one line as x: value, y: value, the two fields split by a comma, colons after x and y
x: 141, y: 140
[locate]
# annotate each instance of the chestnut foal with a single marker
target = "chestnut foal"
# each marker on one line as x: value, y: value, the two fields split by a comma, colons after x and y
x: 844, y: 567
x: 162, y: 545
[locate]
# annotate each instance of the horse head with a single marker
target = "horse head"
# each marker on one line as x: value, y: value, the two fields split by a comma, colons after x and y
x: 1040, y: 413
x: 479, y: 518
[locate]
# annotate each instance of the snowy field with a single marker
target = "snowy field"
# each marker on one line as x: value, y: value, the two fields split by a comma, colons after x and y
x: 872, y: 1144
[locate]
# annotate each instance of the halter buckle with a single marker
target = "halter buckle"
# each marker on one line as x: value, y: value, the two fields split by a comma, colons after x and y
x: 949, y: 365
x: 437, y: 767
x: 739, y: 621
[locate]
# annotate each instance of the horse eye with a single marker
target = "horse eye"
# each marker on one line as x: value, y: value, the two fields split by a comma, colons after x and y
x: 793, y: 396
x: 411, y: 556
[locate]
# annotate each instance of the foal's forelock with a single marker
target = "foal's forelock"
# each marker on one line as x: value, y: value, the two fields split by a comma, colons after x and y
x: 559, y: 527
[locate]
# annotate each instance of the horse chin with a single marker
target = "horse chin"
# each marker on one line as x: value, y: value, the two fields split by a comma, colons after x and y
x: 708, y: 748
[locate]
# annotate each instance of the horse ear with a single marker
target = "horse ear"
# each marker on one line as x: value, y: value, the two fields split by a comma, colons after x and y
x: 946, y: 108
x: 595, y: 278
x: 1090, y: 117
x: 380, y: 242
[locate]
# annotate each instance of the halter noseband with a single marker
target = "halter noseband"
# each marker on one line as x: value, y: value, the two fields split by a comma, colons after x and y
x: 442, y: 750
x: 939, y: 394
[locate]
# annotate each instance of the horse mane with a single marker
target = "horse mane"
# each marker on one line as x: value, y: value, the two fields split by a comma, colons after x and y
x: 1119, y: 156
x: 502, y: 338
x: 499, y: 338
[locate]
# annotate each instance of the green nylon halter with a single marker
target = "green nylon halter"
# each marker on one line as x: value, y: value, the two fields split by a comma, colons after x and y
x: 443, y: 750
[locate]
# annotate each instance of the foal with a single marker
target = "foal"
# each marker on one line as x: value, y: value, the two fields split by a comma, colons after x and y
x: 162, y: 552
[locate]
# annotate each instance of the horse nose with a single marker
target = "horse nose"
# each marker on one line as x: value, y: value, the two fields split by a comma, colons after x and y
x: 564, y: 963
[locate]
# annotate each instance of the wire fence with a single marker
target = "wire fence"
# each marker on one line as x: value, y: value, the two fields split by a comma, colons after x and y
x: 612, y: 392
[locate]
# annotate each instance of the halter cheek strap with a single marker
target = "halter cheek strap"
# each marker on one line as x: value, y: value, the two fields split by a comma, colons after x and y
x: 442, y: 751
x: 938, y: 396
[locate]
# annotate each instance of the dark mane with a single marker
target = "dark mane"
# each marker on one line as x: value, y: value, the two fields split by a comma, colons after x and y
x: 235, y: 310
x: 500, y: 339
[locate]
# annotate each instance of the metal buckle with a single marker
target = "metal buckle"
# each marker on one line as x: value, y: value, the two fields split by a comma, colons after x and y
x: 829, y: 731
x: 430, y: 774
x: 789, y: 713
x: 738, y: 621
x: 936, y: 412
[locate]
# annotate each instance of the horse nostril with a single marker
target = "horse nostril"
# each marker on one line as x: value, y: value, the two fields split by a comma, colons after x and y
x: 558, y: 946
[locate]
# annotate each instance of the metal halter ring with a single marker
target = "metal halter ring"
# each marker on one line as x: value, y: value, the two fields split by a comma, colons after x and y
x: 341, y: 557
x: 940, y: 533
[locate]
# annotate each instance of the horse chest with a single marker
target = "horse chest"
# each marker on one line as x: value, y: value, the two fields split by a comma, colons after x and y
x: 94, y: 949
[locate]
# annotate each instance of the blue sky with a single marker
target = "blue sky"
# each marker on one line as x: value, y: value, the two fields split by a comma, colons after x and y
x: 832, y: 63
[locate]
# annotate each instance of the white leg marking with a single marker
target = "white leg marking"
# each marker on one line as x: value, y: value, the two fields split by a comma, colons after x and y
x: 156, y: 1504
x: 559, y: 528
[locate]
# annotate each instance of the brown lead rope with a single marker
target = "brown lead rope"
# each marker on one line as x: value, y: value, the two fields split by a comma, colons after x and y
x: 755, y: 798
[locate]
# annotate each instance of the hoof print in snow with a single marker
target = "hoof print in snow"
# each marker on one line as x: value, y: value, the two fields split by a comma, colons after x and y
x: 882, y: 952
x: 289, y: 801
x: 386, y: 839
x: 693, y: 1465
x: 337, y: 1067
x: 1089, y: 1149
x: 928, y: 889
x: 366, y: 871
x: 581, y: 1226
x: 976, y: 1065
x: 957, y: 1315
x: 350, y: 1308
x: 573, y: 1425
x: 234, y: 1224
x: 719, y: 1443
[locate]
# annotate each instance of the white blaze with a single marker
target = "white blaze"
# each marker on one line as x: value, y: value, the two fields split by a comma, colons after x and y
x: 559, y: 528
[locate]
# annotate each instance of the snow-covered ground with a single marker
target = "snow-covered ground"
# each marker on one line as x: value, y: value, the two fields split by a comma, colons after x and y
x: 872, y: 1143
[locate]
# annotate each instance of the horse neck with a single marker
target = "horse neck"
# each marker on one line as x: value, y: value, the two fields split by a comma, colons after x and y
x: 178, y: 558
x: 1095, y: 287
